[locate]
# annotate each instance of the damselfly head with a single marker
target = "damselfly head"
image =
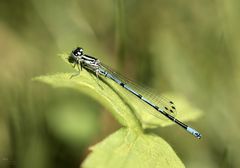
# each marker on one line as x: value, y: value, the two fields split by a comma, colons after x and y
x: 73, y: 57
x: 77, y: 52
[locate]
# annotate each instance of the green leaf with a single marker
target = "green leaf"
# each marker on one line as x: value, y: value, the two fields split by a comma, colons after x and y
x: 126, y: 148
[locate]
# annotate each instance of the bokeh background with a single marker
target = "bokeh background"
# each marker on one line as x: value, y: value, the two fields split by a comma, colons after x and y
x: 186, y: 47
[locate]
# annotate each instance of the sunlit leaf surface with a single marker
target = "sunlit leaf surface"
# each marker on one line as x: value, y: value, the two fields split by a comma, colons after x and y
x: 126, y: 148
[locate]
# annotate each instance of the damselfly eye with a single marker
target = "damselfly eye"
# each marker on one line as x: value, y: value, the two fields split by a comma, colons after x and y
x: 78, y: 51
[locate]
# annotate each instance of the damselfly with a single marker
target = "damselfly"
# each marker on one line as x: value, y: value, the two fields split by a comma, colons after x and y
x: 164, y: 107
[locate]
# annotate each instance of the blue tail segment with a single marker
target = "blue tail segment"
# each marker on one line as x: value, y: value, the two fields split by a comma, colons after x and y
x: 194, y: 132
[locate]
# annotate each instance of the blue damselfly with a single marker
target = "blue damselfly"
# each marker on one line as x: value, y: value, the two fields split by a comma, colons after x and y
x: 161, y: 105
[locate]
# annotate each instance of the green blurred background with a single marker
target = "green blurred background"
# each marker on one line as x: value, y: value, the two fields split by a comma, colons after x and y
x: 186, y: 47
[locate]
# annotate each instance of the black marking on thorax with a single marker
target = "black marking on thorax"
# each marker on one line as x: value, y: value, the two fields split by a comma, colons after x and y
x: 89, y: 57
